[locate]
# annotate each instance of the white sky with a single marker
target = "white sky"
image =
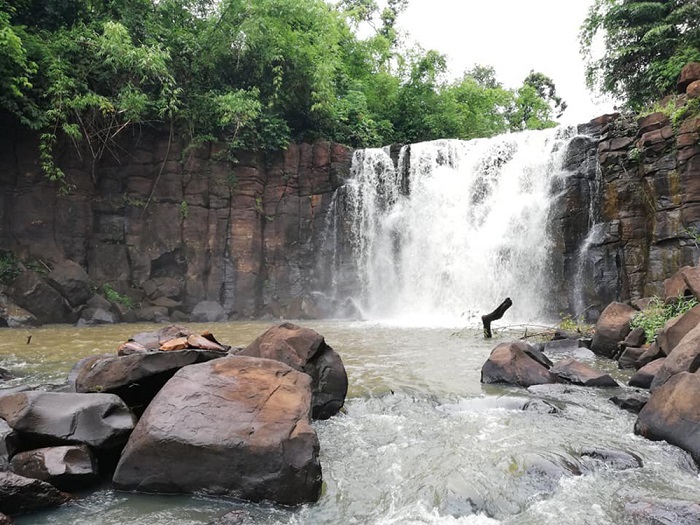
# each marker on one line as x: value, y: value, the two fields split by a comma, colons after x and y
x: 513, y: 36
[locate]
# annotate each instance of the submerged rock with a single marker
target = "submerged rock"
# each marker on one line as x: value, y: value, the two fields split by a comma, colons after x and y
x: 237, y: 426
x: 665, y: 511
x: 631, y: 402
x: 615, y: 459
x: 305, y: 350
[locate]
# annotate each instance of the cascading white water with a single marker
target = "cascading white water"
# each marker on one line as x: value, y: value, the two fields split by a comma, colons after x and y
x: 466, y: 230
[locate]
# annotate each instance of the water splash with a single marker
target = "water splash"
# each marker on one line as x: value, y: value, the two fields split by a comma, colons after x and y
x: 471, y: 231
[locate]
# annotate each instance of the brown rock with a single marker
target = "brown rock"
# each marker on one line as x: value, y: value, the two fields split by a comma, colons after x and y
x: 693, y: 89
x: 138, y: 377
x: 510, y: 363
x: 66, y: 468
x: 307, y: 351
x: 650, y: 354
x: 689, y: 74
x: 652, y: 122
x: 204, y: 343
x: 572, y: 371
x: 673, y: 414
x: 612, y: 327
x: 238, y: 426
x: 676, y: 329
x: 19, y: 494
x: 645, y: 375
x: 179, y: 343
x: 685, y: 357
x: 102, y: 421
x: 676, y: 286
x: 629, y: 357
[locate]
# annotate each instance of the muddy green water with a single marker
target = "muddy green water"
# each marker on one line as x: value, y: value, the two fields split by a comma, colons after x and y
x: 420, y: 440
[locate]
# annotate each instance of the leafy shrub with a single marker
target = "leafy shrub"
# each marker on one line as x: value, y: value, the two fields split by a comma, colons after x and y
x: 654, y: 317
x: 9, y: 268
x: 112, y: 295
x: 571, y: 324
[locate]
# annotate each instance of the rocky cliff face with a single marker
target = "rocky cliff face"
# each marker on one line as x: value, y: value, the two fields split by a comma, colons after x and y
x: 174, y: 225
x: 630, y: 216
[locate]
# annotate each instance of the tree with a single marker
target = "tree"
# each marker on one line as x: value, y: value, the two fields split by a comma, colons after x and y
x: 646, y: 44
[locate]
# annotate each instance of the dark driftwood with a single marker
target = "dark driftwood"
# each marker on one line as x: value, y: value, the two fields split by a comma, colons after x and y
x: 493, y: 316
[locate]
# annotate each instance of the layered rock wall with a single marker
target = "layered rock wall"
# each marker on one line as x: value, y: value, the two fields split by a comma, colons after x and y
x: 245, y: 234
x: 642, y: 208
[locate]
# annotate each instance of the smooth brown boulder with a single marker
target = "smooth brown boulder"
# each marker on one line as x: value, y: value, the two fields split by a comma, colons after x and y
x: 67, y: 468
x: 612, y: 327
x: 645, y: 375
x: 306, y: 351
x: 19, y: 494
x: 676, y: 329
x: 136, y: 378
x: 236, y: 426
x: 102, y: 421
x: 685, y: 357
x: 511, y: 363
x: 572, y: 371
x: 673, y: 414
x: 689, y: 74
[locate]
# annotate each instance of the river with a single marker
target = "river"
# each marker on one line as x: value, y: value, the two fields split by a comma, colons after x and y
x: 420, y: 440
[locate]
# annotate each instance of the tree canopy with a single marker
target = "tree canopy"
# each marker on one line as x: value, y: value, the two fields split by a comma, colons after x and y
x: 646, y: 44
x: 255, y: 73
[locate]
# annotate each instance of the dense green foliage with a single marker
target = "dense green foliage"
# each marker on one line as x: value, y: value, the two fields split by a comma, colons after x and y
x: 255, y: 73
x: 646, y: 44
x: 654, y: 317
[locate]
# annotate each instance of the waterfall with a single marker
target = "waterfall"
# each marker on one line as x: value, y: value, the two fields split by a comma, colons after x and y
x: 464, y: 228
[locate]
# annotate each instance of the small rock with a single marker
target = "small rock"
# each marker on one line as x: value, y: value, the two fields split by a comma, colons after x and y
x: 631, y: 402
x: 19, y: 494
x: 510, y: 363
x: 615, y: 459
x: 66, y: 468
x: 629, y: 357
x: 645, y: 375
x: 577, y: 373
x: 235, y: 517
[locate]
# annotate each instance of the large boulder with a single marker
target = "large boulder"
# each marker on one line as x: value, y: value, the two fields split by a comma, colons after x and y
x: 306, y: 351
x: 685, y: 357
x: 511, y: 363
x: 102, y: 421
x: 208, y: 312
x: 135, y: 378
x: 572, y: 371
x: 34, y: 294
x: 676, y: 329
x: 20, y: 494
x: 612, y: 327
x: 645, y: 375
x: 68, y: 468
x: 13, y: 316
x: 237, y: 426
x: 72, y: 282
x: 673, y: 414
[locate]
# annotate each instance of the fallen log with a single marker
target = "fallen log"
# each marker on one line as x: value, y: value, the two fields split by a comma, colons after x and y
x: 495, y: 315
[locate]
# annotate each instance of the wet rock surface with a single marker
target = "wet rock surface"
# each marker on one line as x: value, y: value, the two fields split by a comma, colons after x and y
x: 19, y: 494
x: 67, y: 468
x: 306, y: 351
x: 510, y: 363
x: 263, y: 449
x: 572, y: 371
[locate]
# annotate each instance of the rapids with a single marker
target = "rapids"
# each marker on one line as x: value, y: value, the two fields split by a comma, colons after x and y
x: 420, y: 440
